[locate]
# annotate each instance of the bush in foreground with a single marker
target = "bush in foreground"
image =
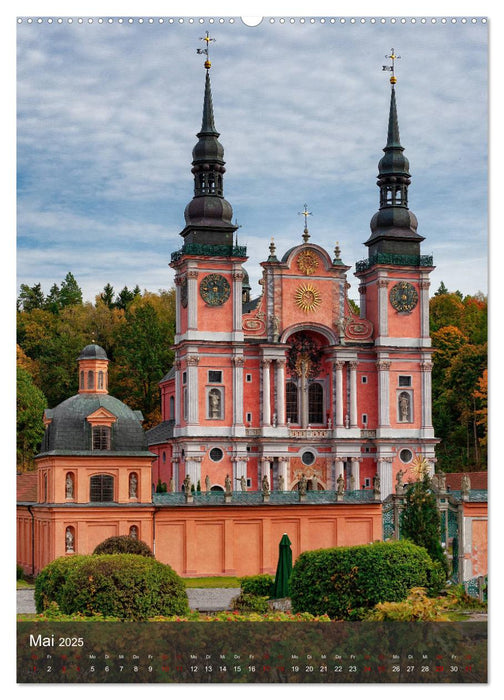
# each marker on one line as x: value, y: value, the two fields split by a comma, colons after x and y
x: 416, y: 608
x: 123, y: 544
x: 261, y: 585
x: 346, y: 582
x: 123, y: 586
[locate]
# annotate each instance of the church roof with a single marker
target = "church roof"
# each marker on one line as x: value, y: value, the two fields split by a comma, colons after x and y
x: 69, y: 430
x: 93, y: 352
x: 160, y: 433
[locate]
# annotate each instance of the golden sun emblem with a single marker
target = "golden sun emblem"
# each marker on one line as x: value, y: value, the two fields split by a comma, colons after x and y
x: 307, y: 262
x: 307, y: 297
x: 420, y: 466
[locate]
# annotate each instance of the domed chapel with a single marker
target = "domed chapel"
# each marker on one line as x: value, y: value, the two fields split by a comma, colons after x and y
x: 283, y: 413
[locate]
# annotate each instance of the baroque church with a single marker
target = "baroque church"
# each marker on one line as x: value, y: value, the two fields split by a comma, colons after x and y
x: 289, y: 412
x: 294, y: 384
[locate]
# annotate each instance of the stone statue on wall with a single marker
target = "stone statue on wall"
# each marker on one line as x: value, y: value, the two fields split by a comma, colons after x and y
x: 340, y: 484
x: 243, y: 483
x: 69, y: 486
x: 376, y: 484
x: 187, y: 484
x: 227, y: 484
x: 352, y: 482
x: 214, y: 402
x: 442, y: 480
x: 133, y: 484
x: 465, y: 485
x: 302, y: 485
x: 207, y: 483
x: 134, y: 532
x: 265, y: 485
x: 172, y: 485
x: 281, y: 483
x: 404, y: 407
x: 69, y: 540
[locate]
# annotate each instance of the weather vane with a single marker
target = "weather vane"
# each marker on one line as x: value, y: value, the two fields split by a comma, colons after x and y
x: 306, y: 214
x: 207, y: 39
x: 391, y: 68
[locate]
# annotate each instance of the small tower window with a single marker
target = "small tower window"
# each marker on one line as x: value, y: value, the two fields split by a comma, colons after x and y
x: 101, y: 437
x: 90, y: 379
x: 100, y: 380
x: 315, y: 403
x: 82, y: 379
x: 172, y: 407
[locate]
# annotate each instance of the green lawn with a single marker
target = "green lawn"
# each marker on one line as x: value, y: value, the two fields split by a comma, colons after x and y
x: 212, y: 582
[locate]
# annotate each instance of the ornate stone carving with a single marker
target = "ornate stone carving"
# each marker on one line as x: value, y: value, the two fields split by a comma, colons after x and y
x: 69, y: 540
x: 69, y: 486
x: 133, y: 485
x: 426, y: 366
x: 307, y: 297
x: 424, y: 284
x: 192, y: 360
x: 383, y: 365
x: 307, y: 261
x: 238, y: 360
x: 382, y: 284
x: 192, y: 274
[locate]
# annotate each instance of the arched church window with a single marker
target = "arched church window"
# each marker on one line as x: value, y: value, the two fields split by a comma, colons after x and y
x: 82, y: 379
x: 101, y: 488
x: 291, y: 402
x: 315, y: 403
x: 101, y: 437
x: 90, y: 379
x: 172, y: 407
x: 100, y: 380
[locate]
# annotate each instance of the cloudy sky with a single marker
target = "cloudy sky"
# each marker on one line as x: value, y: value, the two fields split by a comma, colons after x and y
x: 108, y: 113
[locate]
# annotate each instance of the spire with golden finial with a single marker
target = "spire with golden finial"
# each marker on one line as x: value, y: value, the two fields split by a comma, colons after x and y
x: 393, y: 58
x: 306, y: 214
x: 207, y: 39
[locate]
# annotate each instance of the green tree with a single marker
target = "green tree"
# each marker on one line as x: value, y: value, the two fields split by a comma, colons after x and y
x: 421, y: 520
x: 31, y: 297
x: 52, y: 302
x: 442, y: 289
x: 107, y: 296
x: 30, y: 405
x: 126, y: 296
x: 70, y: 293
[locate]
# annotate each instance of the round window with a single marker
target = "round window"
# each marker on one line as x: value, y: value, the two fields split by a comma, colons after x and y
x: 308, y: 458
x: 216, y: 454
x: 405, y: 456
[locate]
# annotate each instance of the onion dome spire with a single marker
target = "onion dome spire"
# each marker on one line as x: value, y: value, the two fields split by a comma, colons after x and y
x: 394, y: 226
x: 208, y: 215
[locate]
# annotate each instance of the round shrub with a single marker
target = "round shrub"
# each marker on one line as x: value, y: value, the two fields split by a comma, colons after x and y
x: 261, y: 585
x: 127, y: 586
x: 248, y: 602
x: 123, y: 544
x: 345, y: 582
x: 50, y: 581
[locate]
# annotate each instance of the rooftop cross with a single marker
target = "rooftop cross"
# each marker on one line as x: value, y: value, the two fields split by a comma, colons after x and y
x: 391, y: 68
x: 306, y: 214
x: 207, y: 39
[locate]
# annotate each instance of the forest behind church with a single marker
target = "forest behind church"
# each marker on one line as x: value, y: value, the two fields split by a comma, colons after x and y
x: 137, y: 328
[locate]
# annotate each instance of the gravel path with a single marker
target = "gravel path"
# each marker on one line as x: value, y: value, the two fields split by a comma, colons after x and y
x: 205, y: 599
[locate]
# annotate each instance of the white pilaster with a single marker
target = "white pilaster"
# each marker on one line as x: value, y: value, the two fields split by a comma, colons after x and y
x: 178, y: 396
x: 356, y: 471
x: 426, y: 368
x: 353, y: 394
x: 237, y: 300
x: 280, y: 391
x: 178, y: 282
x: 283, y: 470
x: 192, y: 299
x: 382, y: 307
x: 383, y: 393
x: 266, y: 417
x: 424, y: 308
x: 238, y: 362
x: 192, y: 390
x: 362, y: 300
x: 193, y: 468
x: 385, y: 473
x: 338, y: 399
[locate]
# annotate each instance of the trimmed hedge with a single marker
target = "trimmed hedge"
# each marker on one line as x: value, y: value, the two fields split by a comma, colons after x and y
x: 123, y: 544
x: 51, y: 580
x: 261, y: 585
x: 346, y: 582
x: 126, y: 586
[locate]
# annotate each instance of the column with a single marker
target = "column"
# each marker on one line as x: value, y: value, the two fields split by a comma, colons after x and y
x: 237, y: 300
x: 192, y: 299
x: 426, y: 369
x: 238, y: 362
x: 283, y: 470
x: 193, y: 468
x: 178, y: 282
x: 239, y: 470
x: 383, y: 393
x: 266, y: 417
x: 356, y: 472
x: 353, y: 394
x: 338, y: 399
x: 339, y: 470
x: 265, y: 467
x: 280, y: 390
x: 384, y: 469
x: 424, y: 308
x: 382, y: 307
x: 175, y: 473
x: 192, y: 390
x: 362, y: 300
x: 178, y: 397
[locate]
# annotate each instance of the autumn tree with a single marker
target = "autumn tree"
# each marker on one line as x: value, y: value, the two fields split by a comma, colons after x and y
x: 30, y: 405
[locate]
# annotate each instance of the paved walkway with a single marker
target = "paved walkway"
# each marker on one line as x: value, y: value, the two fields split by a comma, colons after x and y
x: 204, y: 599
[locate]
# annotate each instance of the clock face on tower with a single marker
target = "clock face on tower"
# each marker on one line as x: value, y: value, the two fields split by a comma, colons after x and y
x: 403, y: 296
x: 215, y: 289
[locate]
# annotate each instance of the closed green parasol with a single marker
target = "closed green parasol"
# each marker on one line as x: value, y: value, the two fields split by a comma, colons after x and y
x: 284, y: 568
